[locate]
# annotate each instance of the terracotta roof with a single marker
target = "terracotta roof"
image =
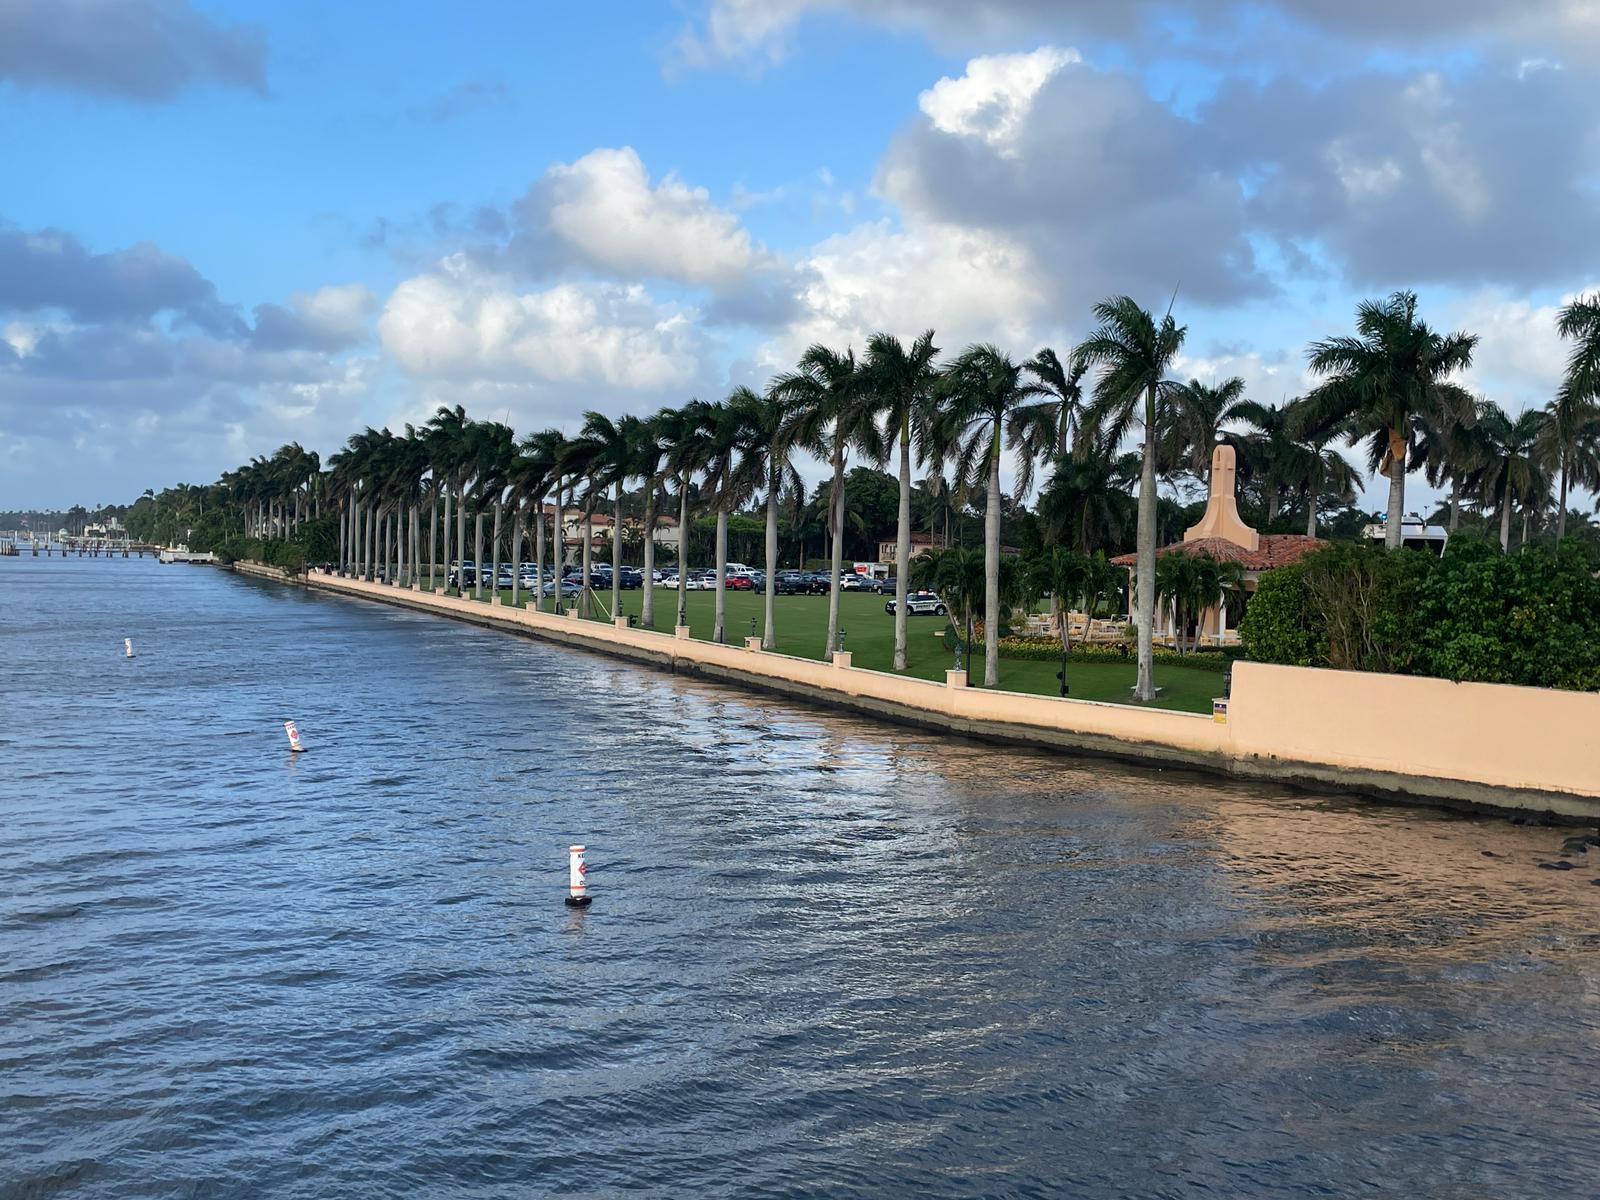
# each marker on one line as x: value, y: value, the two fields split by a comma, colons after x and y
x: 1277, y: 550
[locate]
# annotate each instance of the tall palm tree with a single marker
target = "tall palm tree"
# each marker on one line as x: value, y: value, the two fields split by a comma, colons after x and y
x: 768, y: 466
x: 1394, y: 376
x: 546, y: 450
x: 1134, y: 353
x: 604, y: 451
x: 833, y: 413
x: 450, y: 452
x: 726, y: 430
x: 685, y: 454
x: 648, y: 455
x: 1064, y: 577
x: 1270, y: 457
x: 902, y: 381
x: 983, y: 397
x: 1573, y: 430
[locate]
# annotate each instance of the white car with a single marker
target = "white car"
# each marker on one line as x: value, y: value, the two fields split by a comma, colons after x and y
x: 920, y: 604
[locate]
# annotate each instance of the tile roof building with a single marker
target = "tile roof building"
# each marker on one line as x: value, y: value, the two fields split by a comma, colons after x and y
x: 1222, y: 534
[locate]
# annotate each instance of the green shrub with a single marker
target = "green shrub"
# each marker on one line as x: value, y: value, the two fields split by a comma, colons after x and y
x: 1277, y: 626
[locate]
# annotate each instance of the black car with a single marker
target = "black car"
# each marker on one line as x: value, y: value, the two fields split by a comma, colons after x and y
x: 884, y: 587
x: 818, y: 583
x: 791, y: 583
x: 630, y: 579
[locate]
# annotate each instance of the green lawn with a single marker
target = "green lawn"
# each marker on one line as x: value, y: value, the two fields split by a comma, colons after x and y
x: 802, y: 623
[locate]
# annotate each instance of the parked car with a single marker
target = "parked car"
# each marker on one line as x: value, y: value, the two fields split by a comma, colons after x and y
x: 818, y: 583
x: 792, y: 583
x: 739, y: 583
x: 630, y: 579
x: 569, y: 588
x: 850, y: 581
x: 920, y: 604
x: 701, y: 581
x: 463, y: 574
x: 884, y: 587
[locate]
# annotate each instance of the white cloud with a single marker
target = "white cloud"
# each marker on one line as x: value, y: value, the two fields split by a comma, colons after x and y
x: 968, y: 285
x: 1520, y: 359
x: 993, y: 98
x: 603, y: 212
x: 458, y: 324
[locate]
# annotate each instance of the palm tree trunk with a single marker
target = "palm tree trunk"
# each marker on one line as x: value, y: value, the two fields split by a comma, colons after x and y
x: 991, y: 569
x: 477, y: 555
x: 494, y: 575
x: 538, y: 555
x: 1397, y: 489
x: 902, y: 545
x: 516, y: 555
x: 1561, y: 511
x: 1524, y: 545
x: 449, y: 530
x: 836, y: 552
x: 683, y: 549
x: 1455, y: 502
x: 719, y: 632
x: 647, y: 610
x: 1311, y: 513
x: 558, y: 552
x: 586, y: 596
x: 1145, y: 570
x: 416, y: 549
x: 769, y: 637
x: 433, y: 539
x: 616, y: 556
x: 1505, y: 516
x: 344, y: 529
x: 461, y: 540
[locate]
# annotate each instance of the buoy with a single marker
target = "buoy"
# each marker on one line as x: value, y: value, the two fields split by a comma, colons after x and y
x: 294, y: 736
x: 577, y: 875
x: 127, y: 647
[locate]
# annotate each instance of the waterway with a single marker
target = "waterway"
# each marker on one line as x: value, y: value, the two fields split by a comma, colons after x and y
x: 826, y: 957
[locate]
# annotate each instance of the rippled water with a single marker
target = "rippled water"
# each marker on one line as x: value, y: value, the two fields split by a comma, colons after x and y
x: 826, y: 957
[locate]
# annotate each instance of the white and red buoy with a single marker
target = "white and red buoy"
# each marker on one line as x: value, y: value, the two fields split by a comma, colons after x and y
x: 127, y: 647
x: 577, y: 878
x: 294, y: 737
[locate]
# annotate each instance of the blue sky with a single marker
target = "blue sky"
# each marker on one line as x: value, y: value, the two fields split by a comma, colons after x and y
x: 226, y: 225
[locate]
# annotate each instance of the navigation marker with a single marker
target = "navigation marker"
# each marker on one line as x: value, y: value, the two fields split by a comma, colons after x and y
x: 127, y: 647
x: 294, y: 737
x: 577, y: 878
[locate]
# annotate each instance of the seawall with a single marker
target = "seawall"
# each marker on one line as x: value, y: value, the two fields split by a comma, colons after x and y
x: 1469, y: 745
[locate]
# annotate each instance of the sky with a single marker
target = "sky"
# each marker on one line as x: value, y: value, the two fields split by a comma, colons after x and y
x: 229, y: 224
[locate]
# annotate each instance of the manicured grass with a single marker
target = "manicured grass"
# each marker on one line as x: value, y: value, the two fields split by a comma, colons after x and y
x: 802, y: 624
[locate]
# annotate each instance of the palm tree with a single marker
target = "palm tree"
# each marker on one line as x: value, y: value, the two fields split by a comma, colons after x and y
x: 546, y: 450
x: 1134, y: 354
x: 1087, y: 503
x: 1573, y: 429
x: 1451, y: 449
x: 902, y: 381
x: 1385, y: 382
x: 1063, y: 576
x: 648, y: 456
x: 769, y: 466
x: 1193, y: 420
x: 832, y: 413
x: 1270, y: 458
x: 724, y: 430
x: 1065, y: 383
x: 958, y: 576
x: 1511, y: 471
x: 604, y: 452
x: 450, y: 452
x: 684, y: 452
x: 983, y: 399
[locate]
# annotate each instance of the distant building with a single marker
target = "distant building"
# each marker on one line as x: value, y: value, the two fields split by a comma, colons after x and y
x: 1222, y: 534
x: 1415, y: 534
x: 921, y: 543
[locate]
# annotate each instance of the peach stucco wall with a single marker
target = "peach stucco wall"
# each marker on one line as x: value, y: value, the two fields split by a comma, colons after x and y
x: 1512, y: 737
x: 1518, y: 747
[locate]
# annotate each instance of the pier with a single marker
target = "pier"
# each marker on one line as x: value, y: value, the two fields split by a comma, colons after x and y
x: 15, y: 543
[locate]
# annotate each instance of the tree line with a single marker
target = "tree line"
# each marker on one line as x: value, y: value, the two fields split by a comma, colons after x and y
x: 1392, y: 387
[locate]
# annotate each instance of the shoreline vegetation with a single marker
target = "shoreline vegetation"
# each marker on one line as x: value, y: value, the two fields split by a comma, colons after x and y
x: 913, y: 443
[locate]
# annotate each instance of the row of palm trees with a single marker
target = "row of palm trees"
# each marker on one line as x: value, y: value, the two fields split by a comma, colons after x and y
x: 1392, y: 386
